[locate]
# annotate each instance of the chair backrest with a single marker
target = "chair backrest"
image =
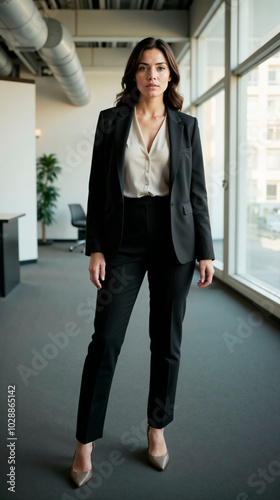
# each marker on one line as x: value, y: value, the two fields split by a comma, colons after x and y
x: 77, y: 213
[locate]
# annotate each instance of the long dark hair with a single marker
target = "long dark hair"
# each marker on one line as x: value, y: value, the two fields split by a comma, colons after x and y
x: 130, y: 91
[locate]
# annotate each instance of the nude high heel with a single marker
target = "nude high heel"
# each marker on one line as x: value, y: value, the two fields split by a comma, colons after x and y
x: 81, y: 478
x: 159, y: 463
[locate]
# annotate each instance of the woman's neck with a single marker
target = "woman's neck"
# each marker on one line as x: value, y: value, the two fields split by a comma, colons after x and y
x: 153, y: 107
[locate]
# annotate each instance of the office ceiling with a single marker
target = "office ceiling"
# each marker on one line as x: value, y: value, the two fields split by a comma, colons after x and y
x: 76, y: 14
x: 113, y: 4
x: 44, y: 6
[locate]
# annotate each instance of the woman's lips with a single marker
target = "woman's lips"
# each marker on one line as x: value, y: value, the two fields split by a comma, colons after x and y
x: 152, y: 86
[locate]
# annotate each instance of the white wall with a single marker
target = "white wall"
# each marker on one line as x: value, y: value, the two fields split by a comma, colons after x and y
x: 68, y: 131
x: 18, y: 161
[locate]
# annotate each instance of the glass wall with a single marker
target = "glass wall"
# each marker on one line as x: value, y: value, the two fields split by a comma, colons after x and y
x: 185, y: 78
x: 258, y: 22
x: 211, y: 117
x: 211, y: 52
x: 239, y: 122
x: 210, y: 69
x: 258, y: 220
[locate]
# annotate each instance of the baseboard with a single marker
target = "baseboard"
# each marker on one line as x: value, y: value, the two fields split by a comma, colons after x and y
x: 31, y: 261
x: 65, y: 241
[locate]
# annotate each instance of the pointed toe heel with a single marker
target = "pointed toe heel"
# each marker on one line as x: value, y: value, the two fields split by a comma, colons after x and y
x: 159, y: 463
x: 81, y: 478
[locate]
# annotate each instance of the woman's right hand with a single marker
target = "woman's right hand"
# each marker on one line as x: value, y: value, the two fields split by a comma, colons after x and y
x: 96, y: 268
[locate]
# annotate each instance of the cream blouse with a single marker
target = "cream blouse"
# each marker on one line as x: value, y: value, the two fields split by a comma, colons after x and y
x: 146, y: 173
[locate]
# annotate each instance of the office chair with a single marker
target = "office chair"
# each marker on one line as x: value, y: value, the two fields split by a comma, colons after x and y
x: 78, y: 219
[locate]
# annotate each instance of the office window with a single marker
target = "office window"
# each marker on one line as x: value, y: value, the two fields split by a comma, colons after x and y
x: 274, y: 76
x: 252, y: 134
x: 258, y: 181
x: 211, y: 52
x: 273, y: 106
x: 211, y: 124
x: 252, y: 157
x: 273, y: 159
x: 273, y: 132
x: 252, y: 131
x: 259, y: 21
x: 185, y: 79
x: 253, y: 103
x: 271, y: 191
x: 253, y: 78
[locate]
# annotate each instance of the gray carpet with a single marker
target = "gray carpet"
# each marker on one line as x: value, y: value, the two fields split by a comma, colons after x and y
x: 224, y: 440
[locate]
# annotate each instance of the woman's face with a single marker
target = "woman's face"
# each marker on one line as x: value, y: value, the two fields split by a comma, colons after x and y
x: 152, y: 74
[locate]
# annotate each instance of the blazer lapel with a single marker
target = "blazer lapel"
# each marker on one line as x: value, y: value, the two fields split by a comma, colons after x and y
x: 123, y: 124
x: 175, y: 129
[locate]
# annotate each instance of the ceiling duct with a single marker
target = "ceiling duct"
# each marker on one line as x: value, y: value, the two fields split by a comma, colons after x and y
x: 59, y: 53
x: 6, y: 65
x: 22, y: 26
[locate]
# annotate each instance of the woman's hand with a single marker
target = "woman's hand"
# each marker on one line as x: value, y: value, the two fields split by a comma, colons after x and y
x: 97, y: 268
x: 207, y: 271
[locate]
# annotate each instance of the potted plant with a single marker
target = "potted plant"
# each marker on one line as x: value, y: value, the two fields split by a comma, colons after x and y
x: 47, y: 194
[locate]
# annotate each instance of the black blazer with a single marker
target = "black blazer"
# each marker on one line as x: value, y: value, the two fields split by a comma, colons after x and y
x: 191, y: 233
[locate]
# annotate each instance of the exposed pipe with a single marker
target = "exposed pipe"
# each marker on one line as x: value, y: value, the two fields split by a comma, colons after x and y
x: 29, y: 62
x: 59, y: 53
x: 6, y: 65
x: 22, y: 26
x: 53, y: 3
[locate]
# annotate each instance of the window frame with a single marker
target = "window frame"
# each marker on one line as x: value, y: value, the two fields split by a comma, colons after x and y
x: 263, y: 296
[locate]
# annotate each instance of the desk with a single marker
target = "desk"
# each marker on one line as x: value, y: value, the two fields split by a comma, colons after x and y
x: 9, y: 262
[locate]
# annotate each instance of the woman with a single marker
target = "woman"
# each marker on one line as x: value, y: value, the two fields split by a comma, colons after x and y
x: 147, y: 211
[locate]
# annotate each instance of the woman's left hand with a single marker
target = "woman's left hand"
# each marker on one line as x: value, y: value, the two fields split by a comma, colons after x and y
x: 207, y: 271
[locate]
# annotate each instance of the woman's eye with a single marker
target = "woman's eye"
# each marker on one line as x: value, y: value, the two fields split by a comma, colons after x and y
x: 143, y: 67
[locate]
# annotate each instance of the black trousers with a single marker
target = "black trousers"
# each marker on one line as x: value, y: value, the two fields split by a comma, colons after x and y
x: 146, y: 247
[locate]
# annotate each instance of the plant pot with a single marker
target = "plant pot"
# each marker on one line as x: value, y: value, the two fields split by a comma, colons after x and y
x: 45, y: 243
